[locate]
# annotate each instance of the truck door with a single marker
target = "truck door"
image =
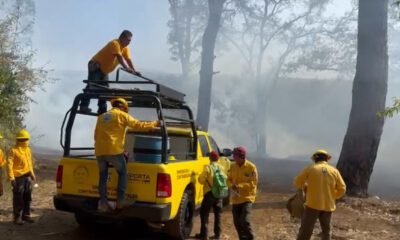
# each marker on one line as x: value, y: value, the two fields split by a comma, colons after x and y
x: 202, y: 153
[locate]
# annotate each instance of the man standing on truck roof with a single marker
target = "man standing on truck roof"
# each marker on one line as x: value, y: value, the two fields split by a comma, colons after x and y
x: 243, y: 179
x: 109, y: 140
x: 105, y: 61
x: 21, y: 175
x: 324, y: 185
x: 210, y: 200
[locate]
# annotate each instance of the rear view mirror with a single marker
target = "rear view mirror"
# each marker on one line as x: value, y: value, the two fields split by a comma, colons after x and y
x: 226, y: 152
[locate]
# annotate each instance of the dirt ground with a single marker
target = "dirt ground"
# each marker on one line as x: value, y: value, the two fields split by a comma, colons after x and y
x: 355, y: 219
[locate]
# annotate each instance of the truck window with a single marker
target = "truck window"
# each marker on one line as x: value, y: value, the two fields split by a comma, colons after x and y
x: 203, y: 145
x: 213, y: 144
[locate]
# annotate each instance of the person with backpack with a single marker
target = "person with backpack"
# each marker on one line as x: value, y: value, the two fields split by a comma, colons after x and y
x: 215, y: 189
x: 243, y: 179
x: 324, y: 186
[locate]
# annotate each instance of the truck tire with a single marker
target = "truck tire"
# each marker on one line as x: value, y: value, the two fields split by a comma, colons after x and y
x: 181, y: 226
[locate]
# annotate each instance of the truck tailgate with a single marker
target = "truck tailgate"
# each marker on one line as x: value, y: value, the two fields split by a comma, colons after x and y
x: 83, y: 176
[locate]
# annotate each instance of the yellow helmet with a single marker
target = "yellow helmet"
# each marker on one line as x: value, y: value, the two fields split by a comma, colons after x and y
x: 122, y: 101
x: 23, y: 134
x: 320, y: 152
x: 1, y: 136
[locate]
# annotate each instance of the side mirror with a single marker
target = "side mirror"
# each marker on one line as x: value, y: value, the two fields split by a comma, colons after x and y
x: 226, y: 152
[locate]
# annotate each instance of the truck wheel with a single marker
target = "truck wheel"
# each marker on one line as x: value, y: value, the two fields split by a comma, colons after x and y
x: 181, y: 226
x: 84, y: 220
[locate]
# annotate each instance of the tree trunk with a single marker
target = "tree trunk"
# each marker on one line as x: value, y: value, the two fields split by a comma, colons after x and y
x: 364, y: 130
x: 207, y: 62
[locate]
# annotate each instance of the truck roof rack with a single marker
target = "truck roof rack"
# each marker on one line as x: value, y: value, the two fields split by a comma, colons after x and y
x: 168, y: 96
x: 138, y: 94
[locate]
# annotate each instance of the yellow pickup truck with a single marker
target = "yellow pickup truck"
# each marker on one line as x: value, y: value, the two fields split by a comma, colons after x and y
x: 163, y: 166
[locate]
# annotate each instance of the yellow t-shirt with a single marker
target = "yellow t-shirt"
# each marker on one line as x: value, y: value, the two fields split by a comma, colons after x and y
x: 109, y: 136
x: 107, y: 56
x: 324, y: 185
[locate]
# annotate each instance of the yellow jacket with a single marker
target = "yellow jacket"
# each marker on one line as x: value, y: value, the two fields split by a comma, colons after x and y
x: 109, y: 135
x: 207, y: 176
x: 20, y: 161
x: 107, y: 56
x: 245, y: 178
x: 2, y: 159
x: 324, y: 185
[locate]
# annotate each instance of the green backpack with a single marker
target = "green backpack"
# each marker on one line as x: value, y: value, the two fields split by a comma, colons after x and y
x: 219, y: 187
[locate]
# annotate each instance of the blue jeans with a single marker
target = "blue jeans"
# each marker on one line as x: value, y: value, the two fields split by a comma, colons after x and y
x: 118, y: 161
x: 95, y: 74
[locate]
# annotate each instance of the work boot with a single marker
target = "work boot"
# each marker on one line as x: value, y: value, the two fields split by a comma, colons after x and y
x: 104, y: 207
x: 18, y: 221
x: 124, y: 204
x: 28, y: 219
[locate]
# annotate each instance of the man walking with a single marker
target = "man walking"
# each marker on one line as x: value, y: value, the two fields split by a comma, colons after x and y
x: 212, y: 199
x: 21, y: 175
x: 324, y: 185
x: 109, y: 140
x: 105, y: 61
x: 243, y: 179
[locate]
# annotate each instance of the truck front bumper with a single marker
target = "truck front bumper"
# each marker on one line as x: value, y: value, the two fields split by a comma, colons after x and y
x: 139, y: 210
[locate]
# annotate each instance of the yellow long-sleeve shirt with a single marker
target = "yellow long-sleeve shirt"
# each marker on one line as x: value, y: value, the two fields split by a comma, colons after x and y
x: 110, y: 131
x: 324, y: 186
x: 20, y: 161
x: 2, y: 159
x: 245, y: 178
x: 207, y: 176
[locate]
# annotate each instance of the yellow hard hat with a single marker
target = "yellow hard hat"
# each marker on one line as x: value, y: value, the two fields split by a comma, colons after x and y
x: 122, y: 101
x: 23, y: 134
x: 321, y: 152
x: 1, y: 136
x: 171, y: 158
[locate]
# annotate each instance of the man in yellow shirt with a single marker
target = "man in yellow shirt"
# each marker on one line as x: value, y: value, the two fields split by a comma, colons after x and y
x: 109, y: 140
x: 206, y: 178
x: 243, y: 179
x: 21, y: 175
x: 324, y: 185
x: 105, y: 61
x: 2, y: 163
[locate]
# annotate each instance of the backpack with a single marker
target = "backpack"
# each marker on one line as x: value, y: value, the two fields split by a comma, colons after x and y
x: 219, y: 187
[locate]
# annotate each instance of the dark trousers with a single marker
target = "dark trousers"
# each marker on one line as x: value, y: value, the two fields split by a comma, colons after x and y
x: 241, y: 219
x: 22, y: 196
x: 95, y: 74
x: 209, y: 201
x: 310, y: 216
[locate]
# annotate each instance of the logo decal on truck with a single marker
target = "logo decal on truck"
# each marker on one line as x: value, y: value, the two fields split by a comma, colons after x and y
x: 81, y: 174
x: 139, y: 178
